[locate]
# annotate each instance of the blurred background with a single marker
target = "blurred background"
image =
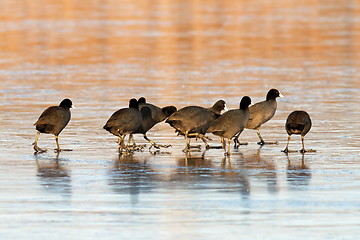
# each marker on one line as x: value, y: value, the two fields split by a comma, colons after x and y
x: 177, y: 49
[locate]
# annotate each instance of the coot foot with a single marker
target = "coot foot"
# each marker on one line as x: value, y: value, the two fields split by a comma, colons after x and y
x: 38, y: 149
x: 286, y: 150
x: 56, y: 150
x: 158, y: 146
x: 309, y: 150
x: 237, y: 144
x: 214, y: 147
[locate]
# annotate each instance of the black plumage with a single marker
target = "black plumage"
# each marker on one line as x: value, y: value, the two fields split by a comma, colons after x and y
x: 231, y: 123
x: 53, y: 120
x: 193, y: 121
x: 298, y: 122
x: 125, y: 121
x: 260, y: 113
x: 152, y: 115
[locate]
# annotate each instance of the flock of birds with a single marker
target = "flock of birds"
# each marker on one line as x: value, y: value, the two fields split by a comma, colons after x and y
x: 190, y: 122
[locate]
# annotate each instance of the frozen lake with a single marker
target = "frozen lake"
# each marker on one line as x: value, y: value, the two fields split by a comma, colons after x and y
x: 102, y: 53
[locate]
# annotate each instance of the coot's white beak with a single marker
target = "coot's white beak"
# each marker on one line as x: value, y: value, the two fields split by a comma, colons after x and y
x: 72, y: 106
x: 280, y: 95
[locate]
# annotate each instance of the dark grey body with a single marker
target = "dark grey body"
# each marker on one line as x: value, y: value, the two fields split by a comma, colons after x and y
x: 261, y: 112
x: 298, y: 122
x: 230, y: 123
x: 152, y: 115
x: 192, y: 119
x: 53, y: 120
x: 195, y: 119
x: 147, y: 120
x: 124, y: 121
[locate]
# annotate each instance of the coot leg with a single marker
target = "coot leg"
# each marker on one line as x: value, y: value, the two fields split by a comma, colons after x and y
x: 303, y: 146
x: 187, y: 143
x: 153, y: 144
x: 197, y: 135
x: 134, y: 147
x: 121, y: 142
x: 129, y: 141
x: 262, y: 142
x: 237, y: 143
x: 36, y: 148
x: 227, y: 153
x: 286, y: 150
x: 58, y: 149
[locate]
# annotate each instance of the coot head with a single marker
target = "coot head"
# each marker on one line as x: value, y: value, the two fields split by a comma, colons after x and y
x: 273, y: 94
x: 142, y: 100
x: 219, y: 106
x: 133, y: 103
x: 169, y: 110
x: 66, y: 103
x: 245, y: 102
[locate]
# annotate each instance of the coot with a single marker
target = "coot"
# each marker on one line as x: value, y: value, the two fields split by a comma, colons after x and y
x: 260, y: 113
x: 125, y: 121
x: 193, y: 121
x: 152, y: 115
x: 231, y: 123
x: 53, y: 120
x: 298, y: 122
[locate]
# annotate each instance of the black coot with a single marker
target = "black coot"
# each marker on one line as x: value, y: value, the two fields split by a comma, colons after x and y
x: 125, y: 121
x: 231, y: 123
x: 260, y: 113
x: 53, y: 120
x: 193, y: 121
x: 298, y: 122
x: 152, y: 115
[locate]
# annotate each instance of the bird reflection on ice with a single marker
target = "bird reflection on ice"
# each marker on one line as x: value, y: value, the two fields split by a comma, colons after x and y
x: 53, y: 175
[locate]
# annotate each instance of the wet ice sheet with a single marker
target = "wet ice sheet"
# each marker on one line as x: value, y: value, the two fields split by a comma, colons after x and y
x: 162, y: 194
